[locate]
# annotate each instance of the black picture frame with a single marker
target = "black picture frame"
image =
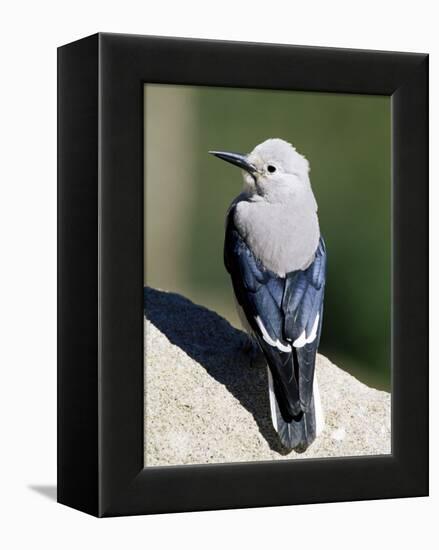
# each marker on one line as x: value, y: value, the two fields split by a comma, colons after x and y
x: 100, y: 274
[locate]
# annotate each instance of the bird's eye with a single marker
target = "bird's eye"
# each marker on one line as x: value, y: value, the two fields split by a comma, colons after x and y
x: 271, y: 168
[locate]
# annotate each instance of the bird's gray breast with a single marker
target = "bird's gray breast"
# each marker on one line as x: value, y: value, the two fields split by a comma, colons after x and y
x: 283, y: 236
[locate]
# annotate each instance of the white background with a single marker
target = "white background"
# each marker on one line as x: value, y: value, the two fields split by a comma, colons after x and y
x: 30, y: 33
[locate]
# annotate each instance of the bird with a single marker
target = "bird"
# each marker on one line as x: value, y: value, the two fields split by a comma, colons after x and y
x: 276, y: 257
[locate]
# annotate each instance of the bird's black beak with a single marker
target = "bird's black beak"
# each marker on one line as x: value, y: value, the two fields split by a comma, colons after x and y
x: 236, y: 159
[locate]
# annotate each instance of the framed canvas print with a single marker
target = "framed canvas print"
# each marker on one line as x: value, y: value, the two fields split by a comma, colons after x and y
x: 242, y: 260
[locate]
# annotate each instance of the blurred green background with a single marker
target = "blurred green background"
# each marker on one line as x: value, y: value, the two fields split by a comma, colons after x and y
x: 346, y: 139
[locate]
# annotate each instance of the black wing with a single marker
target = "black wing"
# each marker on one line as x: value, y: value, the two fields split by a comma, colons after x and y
x: 281, y: 311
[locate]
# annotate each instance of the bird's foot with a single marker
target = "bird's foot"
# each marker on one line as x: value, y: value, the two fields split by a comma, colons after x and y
x: 253, y: 352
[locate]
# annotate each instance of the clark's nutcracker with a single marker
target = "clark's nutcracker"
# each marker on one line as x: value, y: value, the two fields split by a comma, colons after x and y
x: 276, y: 258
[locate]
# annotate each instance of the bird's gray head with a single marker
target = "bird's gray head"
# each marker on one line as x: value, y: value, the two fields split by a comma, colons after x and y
x: 274, y: 170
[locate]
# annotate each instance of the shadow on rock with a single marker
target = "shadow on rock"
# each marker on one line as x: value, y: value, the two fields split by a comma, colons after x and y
x: 217, y: 346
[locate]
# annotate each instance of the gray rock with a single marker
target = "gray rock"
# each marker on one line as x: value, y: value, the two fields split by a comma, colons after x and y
x: 205, y: 403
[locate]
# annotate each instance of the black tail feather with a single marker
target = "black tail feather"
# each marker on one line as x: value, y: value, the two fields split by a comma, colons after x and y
x: 297, y: 432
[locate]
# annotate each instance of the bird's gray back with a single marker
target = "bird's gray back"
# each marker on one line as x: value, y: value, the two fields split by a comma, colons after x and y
x: 283, y: 236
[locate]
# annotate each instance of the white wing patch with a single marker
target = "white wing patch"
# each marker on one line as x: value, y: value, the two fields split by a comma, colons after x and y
x: 275, y: 343
x: 302, y: 340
